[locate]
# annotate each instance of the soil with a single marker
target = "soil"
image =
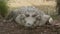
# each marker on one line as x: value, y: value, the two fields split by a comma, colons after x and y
x: 13, y: 28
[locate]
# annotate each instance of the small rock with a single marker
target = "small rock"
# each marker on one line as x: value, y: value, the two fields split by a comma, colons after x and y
x: 4, y: 20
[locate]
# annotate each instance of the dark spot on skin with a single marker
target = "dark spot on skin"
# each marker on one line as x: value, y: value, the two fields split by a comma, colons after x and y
x: 28, y: 24
x: 22, y: 17
x: 35, y: 22
x: 38, y: 18
x: 34, y: 15
x: 27, y: 15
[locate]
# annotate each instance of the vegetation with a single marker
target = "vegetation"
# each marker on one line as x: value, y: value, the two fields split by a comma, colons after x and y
x: 3, y: 7
x: 58, y: 6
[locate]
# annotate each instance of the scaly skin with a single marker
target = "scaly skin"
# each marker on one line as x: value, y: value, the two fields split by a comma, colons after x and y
x: 29, y: 16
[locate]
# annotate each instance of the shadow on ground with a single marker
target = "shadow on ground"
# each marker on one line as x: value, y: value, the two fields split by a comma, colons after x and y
x: 13, y: 28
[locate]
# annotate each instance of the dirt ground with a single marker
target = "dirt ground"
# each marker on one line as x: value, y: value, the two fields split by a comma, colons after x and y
x: 13, y: 28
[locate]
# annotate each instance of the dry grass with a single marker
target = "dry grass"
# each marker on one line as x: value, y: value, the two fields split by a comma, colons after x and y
x: 49, y: 7
x: 18, y: 3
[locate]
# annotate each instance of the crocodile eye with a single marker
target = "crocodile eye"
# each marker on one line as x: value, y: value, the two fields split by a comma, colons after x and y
x: 34, y: 15
x: 27, y: 15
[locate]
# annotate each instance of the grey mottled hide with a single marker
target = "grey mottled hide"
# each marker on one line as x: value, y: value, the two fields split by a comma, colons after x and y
x: 29, y: 16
